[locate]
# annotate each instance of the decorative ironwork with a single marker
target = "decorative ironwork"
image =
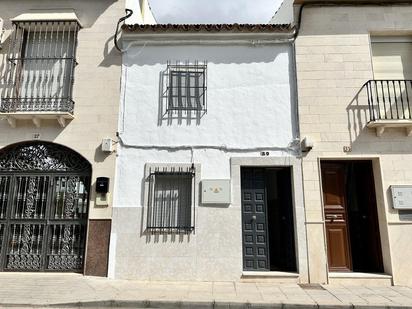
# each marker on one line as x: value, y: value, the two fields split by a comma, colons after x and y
x: 66, y: 262
x: 26, y: 240
x: 41, y: 156
x: 186, y: 86
x: 31, y: 197
x: 171, y: 201
x: 4, y: 195
x: 71, y: 196
x: 67, y: 247
x: 31, y: 192
x: 24, y: 251
x: 2, y: 228
x: 40, y: 71
x: 43, y: 208
x: 24, y: 262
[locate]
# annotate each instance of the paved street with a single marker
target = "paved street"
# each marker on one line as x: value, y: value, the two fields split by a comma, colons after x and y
x: 74, y: 291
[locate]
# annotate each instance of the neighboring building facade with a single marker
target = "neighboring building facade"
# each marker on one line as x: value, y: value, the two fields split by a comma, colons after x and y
x: 59, y: 98
x: 354, y: 70
x: 208, y: 183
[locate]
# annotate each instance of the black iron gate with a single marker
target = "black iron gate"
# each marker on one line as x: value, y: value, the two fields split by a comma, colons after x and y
x: 44, y: 194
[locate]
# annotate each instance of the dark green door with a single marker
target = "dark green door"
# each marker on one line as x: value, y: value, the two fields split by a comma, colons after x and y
x: 254, y: 220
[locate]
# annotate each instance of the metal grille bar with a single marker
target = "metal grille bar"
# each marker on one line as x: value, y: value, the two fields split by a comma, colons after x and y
x: 171, y: 201
x: 2, y: 229
x: 40, y: 67
x: 70, y: 198
x: 4, y: 195
x: 186, y: 86
x: 66, y: 245
x: 25, y: 247
x: 31, y: 197
x: 389, y: 99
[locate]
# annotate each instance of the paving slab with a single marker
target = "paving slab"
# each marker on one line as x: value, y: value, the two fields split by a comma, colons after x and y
x: 77, y: 291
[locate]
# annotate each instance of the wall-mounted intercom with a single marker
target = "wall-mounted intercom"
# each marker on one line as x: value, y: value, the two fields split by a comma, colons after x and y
x: 102, y: 191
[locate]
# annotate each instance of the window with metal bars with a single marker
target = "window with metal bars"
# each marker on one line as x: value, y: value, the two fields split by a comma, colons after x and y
x: 41, y: 63
x: 171, y: 201
x: 186, y: 86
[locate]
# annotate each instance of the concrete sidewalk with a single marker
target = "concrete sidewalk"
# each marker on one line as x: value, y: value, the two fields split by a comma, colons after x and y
x: 24, y: 290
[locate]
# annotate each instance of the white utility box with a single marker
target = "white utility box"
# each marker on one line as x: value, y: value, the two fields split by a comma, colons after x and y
x: 402, y: 196
x: 216, y: 191
x: 107, y: 145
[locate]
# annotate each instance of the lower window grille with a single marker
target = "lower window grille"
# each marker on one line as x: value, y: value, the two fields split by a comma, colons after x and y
x: 171, y: 201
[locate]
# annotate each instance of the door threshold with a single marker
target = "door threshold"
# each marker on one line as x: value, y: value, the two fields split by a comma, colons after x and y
x: 359, y: 275
x: 269, y: 274
x: 355, y: 278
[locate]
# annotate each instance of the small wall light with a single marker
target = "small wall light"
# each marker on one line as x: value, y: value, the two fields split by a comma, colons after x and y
x: 306, y: 144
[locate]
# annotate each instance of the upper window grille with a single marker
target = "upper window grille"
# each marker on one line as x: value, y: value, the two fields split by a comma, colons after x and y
x: 171, y: 200
x: 186, y: 86
x: 41, y: 65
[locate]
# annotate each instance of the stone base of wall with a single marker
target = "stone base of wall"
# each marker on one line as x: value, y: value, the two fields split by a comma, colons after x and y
x: 98, y: 248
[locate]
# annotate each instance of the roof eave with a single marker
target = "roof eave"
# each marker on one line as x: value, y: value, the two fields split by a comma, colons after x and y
x: 193, y: 37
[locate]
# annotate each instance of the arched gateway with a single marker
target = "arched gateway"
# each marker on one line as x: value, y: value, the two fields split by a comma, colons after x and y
x: 44, y: 200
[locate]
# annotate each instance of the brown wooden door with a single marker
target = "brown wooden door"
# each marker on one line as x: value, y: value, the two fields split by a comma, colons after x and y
x: 336, y: 217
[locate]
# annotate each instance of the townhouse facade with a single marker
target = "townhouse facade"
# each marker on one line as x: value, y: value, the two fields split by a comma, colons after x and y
x: 237, y: 152
x: 208, y: 183
x: 59, y: 99
x: 354, y: 72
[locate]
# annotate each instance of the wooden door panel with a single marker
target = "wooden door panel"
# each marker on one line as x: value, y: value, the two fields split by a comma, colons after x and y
x: 338, y: 251
x: 336, y: 225
x: 333, y: 182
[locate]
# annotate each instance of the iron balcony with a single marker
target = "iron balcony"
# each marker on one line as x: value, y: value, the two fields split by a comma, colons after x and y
x: 389, y: 104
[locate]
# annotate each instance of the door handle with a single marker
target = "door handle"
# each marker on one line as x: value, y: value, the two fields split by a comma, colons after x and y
x: 253, y: 218
x: 333, y: 217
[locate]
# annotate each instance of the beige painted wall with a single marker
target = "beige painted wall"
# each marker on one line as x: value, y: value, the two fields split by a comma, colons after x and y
x: 333, y: 62
x: 96, y: 86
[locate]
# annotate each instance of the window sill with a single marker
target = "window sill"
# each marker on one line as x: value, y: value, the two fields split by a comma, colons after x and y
x: 37, y: 117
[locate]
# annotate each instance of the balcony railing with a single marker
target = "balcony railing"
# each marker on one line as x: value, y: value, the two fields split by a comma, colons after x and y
x: 389, y: 104
x: 39, y: 85
x: 21, y: 105
x: 389, y: 99
x: 40, y: 72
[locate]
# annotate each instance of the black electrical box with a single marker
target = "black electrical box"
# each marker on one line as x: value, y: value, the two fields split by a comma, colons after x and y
x: 102, y: 184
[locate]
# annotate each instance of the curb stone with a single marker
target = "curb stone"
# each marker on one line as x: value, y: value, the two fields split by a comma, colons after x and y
x: 198, y: 305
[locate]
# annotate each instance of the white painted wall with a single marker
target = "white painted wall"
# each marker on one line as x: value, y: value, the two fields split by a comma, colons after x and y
x: 250, y: 108
x: 249, y: 97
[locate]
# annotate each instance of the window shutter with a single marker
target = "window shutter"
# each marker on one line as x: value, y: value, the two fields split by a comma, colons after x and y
x: 392, y: 60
